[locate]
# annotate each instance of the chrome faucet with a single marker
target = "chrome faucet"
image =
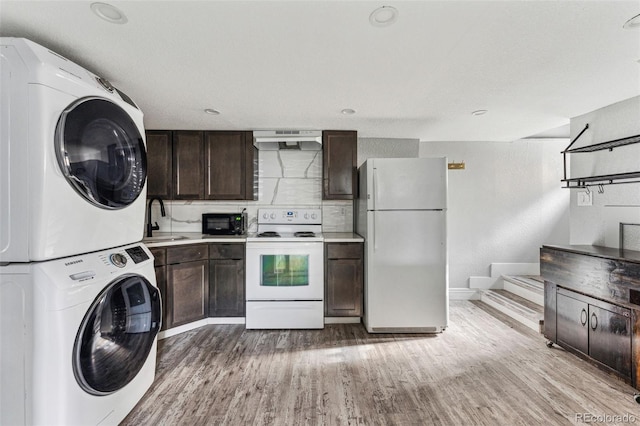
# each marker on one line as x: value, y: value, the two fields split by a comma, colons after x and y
x: 150, y: 227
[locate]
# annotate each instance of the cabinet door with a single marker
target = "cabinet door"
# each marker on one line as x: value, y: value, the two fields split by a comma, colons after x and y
x: 610, y: 337
x: 572, y: 322
x: 226, y: 288
x: 159, y: 164
x: 229, y: 166
x: 161, y: 281
x: 344, y: 279
x: 187, y: 292
x: 188, y: 165
x: 339, y: 151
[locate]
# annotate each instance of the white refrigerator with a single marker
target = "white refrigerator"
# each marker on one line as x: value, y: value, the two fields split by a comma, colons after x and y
x: 402, y: 214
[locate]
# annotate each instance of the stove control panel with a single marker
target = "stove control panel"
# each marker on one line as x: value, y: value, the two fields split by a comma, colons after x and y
x: 290, y: 216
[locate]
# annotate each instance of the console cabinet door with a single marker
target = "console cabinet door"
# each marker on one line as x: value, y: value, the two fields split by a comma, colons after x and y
x: 229, y: 169
x: 572, y: 322
x: 159, y: 164
x: 187, y: 292
x: 339, y: 159
x: 188, y: 165
x: 610, y: 337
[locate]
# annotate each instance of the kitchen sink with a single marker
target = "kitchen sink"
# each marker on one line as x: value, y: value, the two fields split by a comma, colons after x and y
x: 163, y: 238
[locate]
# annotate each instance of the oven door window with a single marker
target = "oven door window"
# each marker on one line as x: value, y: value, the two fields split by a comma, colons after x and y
x: 284, y: 270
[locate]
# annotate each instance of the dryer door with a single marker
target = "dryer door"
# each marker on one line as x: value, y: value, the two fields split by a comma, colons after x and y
x: 101, y: 152
x: 116, y: 335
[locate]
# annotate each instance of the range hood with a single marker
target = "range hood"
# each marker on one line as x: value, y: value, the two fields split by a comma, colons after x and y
x: 302, y: 140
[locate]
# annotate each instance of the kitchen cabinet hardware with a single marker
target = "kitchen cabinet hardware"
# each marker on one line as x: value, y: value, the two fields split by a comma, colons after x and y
x: 599, y: 180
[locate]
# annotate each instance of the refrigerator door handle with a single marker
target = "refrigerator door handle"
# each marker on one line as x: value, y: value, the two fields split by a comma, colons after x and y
x: 375, y: 188
x: 375, y: 246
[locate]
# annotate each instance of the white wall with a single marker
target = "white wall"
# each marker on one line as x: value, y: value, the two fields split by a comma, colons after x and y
x: 387, y: 148
x: 599, y: 224
x: 504, y: 205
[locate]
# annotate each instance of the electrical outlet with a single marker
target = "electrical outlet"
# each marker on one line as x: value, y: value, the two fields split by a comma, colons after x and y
x: 585, y: 198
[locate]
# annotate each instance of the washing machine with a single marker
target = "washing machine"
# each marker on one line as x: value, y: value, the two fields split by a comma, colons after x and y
x: 78, y: 337
x: 72, y: 158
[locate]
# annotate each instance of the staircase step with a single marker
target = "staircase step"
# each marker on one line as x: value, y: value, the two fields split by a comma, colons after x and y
x: 522, y: 310
x: 530, y: 287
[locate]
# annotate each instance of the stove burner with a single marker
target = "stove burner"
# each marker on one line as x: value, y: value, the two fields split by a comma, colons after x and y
x: 268, y: 234
x: 304, y: 234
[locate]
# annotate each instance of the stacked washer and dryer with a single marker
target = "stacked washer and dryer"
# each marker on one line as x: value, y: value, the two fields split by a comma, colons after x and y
x: 79, y: 306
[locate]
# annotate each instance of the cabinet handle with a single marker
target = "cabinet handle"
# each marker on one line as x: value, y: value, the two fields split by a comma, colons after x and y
x: 594, y: 321
x: 583, y: 317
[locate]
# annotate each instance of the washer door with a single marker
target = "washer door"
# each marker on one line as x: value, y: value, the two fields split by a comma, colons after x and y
x: 116, y: 335
x: 101, y: 152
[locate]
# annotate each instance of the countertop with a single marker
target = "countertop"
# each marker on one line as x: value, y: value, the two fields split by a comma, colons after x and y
x: 164, y: 239
x: 342, y: 237
x: 599, y: 251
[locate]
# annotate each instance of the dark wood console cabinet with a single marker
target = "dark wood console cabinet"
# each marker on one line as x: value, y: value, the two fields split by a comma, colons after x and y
x: 592, y: 305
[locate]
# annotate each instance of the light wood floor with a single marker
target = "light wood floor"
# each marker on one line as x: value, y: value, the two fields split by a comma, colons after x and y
x: 481, y: 371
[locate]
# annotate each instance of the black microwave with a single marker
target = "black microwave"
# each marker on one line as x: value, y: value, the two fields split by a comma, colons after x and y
x: 224, y: 223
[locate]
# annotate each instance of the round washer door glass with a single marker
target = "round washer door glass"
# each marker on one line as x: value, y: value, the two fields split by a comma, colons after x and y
x: 101, y: 152
x: 116, y: 335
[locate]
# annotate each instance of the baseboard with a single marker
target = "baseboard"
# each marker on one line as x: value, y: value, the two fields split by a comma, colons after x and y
x: 342, y: 320
x: 497, y: 270
x: 197, y: 324
x: 463, y: 294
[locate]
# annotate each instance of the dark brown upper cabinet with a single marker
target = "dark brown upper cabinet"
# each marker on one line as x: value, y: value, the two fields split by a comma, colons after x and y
x: 229, y: 168
x: 195, y: 165
x: 339, y: 151
x: 188, y: 165
x: 159, y: 164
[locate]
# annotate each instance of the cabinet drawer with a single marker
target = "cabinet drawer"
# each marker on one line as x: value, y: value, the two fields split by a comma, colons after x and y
x: 159, y: 255
x: 226, y: 251
x: 344, y: 250
x: 187, y: 253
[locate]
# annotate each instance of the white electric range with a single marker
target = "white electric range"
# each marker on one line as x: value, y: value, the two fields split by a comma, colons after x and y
x: 285, y: 270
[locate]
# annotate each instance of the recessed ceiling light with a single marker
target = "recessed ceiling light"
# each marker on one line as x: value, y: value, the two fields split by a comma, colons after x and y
x: 348, y: 111
x: 383, y: 16
x: 479, y: 112
x: 632, y: 23
x: 109, y: 13
x: 212, y: 111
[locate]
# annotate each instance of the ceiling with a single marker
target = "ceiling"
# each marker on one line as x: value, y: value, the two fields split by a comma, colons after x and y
x: 297, y: 64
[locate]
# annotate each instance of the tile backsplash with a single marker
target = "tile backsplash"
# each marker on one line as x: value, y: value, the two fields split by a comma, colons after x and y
x: 286, y: 179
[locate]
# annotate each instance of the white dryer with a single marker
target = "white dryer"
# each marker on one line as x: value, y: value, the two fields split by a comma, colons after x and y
x: 78, y: 337
x: 72, y: 158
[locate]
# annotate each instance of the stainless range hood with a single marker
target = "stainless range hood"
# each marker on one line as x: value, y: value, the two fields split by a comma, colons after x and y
x: 302, y: 140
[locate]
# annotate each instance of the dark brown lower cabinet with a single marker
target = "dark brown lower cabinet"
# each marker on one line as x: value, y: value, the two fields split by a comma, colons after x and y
x: 226, y: 280
x: 160, y: 264
x: 186, y: 294
x: 344, y: 279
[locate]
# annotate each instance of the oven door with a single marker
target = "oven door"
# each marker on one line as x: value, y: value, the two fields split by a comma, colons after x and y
x: 285, y: 271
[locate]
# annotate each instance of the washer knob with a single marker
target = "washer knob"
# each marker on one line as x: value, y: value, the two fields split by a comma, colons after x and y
x: 273, y: 215
x: 118, y: 259
x: 265, y: 216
